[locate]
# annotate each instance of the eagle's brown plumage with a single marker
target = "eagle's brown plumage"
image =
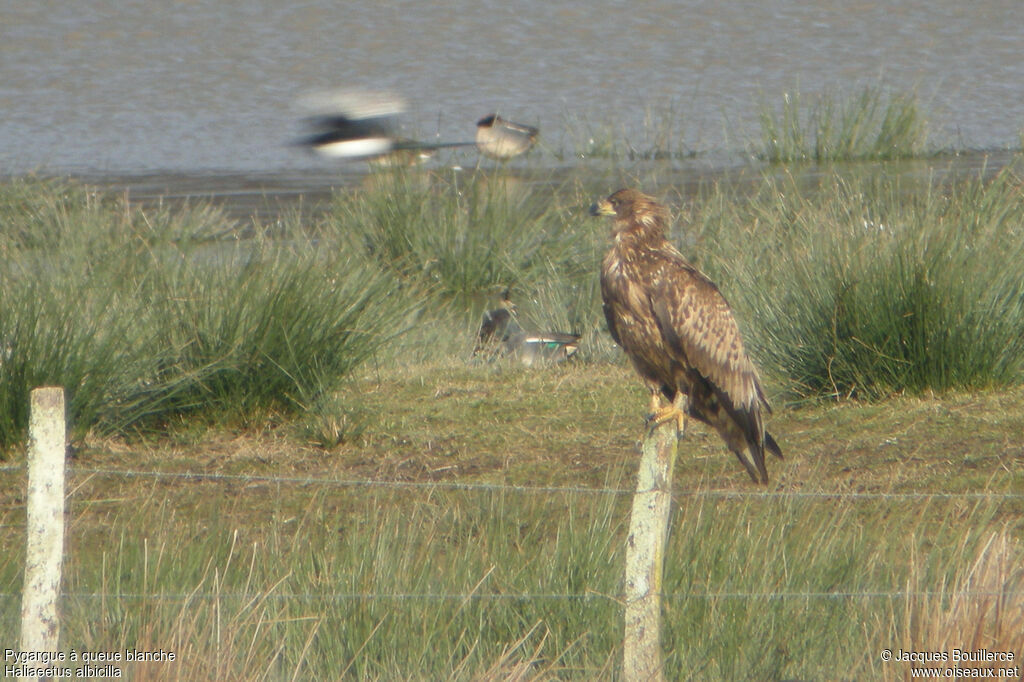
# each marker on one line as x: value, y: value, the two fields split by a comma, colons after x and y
x: 677, y: 328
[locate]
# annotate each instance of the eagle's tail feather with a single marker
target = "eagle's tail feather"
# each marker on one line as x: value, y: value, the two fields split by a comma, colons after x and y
x: 757, y: 440
x: 758, y: 473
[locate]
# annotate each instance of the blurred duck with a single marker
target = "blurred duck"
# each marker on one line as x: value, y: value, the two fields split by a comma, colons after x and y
x: 363, y: 124
x: 500, y: 139
x: 353, y: 124
x: 501, y: 335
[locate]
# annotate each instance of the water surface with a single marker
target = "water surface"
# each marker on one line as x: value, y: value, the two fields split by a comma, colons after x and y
x: 193, y: 86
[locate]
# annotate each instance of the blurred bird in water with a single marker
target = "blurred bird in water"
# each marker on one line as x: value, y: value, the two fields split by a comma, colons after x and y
x: 352, y: 124
x: 501, y: 335
x: 501, y: 139
x: 363, y: 124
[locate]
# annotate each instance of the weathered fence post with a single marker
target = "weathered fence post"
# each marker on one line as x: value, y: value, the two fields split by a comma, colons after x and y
x: 44, y: 552
x: 645, y: 551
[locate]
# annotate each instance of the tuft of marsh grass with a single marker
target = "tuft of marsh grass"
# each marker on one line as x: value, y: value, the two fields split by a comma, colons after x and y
x: 870, y: 125
x: 660, y: 137
x: 864, y: 287
x: 267, y: 324
x: 456, y: 235
x: 143, y: 316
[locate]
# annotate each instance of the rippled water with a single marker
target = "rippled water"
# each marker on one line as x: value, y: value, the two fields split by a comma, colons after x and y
x: 130, y: 86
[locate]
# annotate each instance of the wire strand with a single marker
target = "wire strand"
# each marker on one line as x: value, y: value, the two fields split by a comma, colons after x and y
x: 502, y: 487
x: 476, y: 596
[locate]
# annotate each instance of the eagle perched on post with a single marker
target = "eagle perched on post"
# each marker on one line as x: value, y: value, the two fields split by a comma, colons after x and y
x: 677, y: 329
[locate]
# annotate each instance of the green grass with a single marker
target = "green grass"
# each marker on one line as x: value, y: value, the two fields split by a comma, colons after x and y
x: 867, y: 286
x: 859, y: 284
x: 442, y: 585
x: 454, y: 240
x: 453, y: 234
x: 871, y: 125
x: 267, y: 579
x: 146, y: 316
x: 279, y: 361
x: 660, y: 137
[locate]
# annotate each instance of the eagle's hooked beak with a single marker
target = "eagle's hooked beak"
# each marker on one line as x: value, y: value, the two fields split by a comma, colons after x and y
x: 603, y: 207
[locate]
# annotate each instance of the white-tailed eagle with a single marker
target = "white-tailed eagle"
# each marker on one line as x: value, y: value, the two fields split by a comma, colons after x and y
x: 678, y: 330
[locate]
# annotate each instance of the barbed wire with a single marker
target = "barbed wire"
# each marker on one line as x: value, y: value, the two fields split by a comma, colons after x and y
x: 542, y: 489
x: 499, y: 487
x: 526, y: 596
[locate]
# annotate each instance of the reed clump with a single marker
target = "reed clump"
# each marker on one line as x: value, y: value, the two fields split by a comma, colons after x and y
x: 147, y: 315
x: 870, y: 125
x: 863, y: 285
x: 455, y: 234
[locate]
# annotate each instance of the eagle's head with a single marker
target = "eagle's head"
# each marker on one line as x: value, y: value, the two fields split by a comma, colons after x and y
x: 633, y: 211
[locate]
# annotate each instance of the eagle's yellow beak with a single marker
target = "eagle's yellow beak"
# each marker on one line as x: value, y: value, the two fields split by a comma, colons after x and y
x: 603, y: 207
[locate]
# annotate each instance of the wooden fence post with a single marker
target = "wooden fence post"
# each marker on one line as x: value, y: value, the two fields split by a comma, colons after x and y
x: 44, y: 552
x: 645, y: 551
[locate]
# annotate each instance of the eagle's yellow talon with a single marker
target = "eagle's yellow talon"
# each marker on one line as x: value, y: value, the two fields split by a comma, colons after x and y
x: 664, y: 415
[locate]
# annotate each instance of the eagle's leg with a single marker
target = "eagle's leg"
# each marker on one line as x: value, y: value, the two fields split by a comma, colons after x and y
x: 675, y: 411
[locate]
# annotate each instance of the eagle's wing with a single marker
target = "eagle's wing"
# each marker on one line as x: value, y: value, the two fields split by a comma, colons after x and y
x: 609, y: 317
x: 696, y: 320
